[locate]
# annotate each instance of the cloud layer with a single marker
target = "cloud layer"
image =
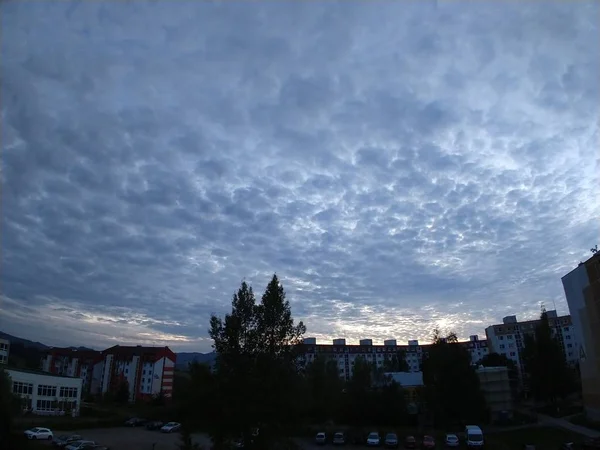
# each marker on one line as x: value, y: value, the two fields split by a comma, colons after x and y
x: 399, y: 166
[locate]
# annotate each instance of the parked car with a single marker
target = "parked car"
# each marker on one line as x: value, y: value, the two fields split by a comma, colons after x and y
x: 154, y: 425
x: 321, y: 438
x: 95, y: 447
x: 135, y: 422
x: 65, y: 439
x: 428, y: 442
x: 80, y: 445
x: 39, y: 433
x: 339, y: 438
x: 452, y: 441
x: 170, y: 427
x: 373, y: 439
x: 410, y: 442
x: 391, y: 440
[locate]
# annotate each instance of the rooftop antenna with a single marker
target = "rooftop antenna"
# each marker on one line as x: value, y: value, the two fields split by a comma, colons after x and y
x: 594, y: 249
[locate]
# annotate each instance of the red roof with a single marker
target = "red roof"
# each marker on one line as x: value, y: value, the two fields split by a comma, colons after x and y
x: 154, y: 353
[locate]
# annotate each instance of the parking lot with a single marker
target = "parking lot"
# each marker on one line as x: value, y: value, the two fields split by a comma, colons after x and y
x: 124, y: 438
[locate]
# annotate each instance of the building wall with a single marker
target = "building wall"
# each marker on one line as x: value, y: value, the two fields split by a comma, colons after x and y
x: 157, y: 376
x: 4, y: 351
x: 45, y: 393
x: 346, y: 354
x: 167, y: 377
x: 508, y: 338
x: 495, y: 385
x: 582, y: 291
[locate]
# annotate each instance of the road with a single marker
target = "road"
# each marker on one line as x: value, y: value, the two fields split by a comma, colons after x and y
x: 124, y: 438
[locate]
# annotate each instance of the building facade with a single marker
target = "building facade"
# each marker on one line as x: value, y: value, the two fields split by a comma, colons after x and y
x: 72, y: 363
x: 148, y: 371
x: 495, y: 385
x: 507, y: 338
x: 4, y: 351
x: 43, y: 393
x: 582, y: 291
x: 413, y: 353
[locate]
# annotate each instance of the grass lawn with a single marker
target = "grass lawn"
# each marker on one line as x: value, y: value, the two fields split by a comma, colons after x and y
x: 544, y: 438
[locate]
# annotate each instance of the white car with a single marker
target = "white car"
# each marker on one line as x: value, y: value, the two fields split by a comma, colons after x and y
x: 452, y: 441
x: 373, y: 439
x: 171, y: 427
x: 79, y: 445
x: 39, y: 433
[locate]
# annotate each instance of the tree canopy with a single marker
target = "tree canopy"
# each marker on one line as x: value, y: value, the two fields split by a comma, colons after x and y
x: 256, y: 373
x: 452, y: 388
x: 547, y: 373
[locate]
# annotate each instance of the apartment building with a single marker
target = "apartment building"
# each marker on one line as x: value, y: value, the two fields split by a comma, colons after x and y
x: 147, y: 370
x: 413, y: 352
x: 46, y: 394
x: 582, y: 291
x: 72, y: 363
x: 4, y: 351
x: 507, y: 338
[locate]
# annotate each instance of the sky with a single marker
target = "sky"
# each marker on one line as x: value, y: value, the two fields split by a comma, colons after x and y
x: 401, y: 166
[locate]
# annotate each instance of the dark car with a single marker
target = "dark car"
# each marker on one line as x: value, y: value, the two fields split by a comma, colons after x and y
x: 154, y: 425
x: 391, y: 440
x: 339, y: 438
x: 428, y: 442
x: 65, y: 439
x: 410, y: 442
x: 95, y: 447
x: 135, y: 422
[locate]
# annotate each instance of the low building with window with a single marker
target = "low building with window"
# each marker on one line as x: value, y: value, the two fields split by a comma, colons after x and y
x: 4, y: 350
x: 46, y: 394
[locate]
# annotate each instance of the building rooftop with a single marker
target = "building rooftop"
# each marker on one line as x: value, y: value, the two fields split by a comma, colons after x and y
x: 39, y: 372
x: 138, y: 350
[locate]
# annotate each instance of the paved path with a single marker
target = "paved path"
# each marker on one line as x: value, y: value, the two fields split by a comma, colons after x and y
x: 565, y: 424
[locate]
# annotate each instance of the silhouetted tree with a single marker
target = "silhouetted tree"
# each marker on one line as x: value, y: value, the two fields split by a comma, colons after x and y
x: 255, y: 371
x: 548, y: 374
x: 122, y: 393
x: 452, y: 389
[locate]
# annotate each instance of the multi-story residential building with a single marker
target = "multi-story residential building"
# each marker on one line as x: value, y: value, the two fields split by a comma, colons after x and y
x: 413, y: 352
x: 4, y: 351
x: 72, y: 363
x: 148, y: 371
x: 44, y: 393
x: 507, y: 338
x: 582, y: 290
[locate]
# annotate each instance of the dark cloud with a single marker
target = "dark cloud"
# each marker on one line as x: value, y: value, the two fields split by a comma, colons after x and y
x: 398, y: 167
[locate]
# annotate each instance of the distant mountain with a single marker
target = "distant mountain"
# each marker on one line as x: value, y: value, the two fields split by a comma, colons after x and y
x: 25, y: 342
x: 184, y: 358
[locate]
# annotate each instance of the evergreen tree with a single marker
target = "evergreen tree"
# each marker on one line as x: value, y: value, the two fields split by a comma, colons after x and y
x: 256, y: 375
x: 548, y: 375
x: 452, y: 391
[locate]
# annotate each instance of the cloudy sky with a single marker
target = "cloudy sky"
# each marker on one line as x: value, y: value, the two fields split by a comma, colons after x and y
x: 398, y: 165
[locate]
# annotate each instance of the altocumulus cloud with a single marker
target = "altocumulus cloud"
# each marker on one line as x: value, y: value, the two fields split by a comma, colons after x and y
x: 400, y: 166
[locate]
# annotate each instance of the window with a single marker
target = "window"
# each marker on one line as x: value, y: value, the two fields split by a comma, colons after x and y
x: 46, y: 405
x: 566, y: 329
x: 511, y: 345
x: 2, y: 358
x: 144, y: 372
x: 22, y: 388
x: 509, y: 337
x: 68, y: 392
x: 46, y: 391
x: 501, y: 345
x: 501, y: 338
x: 568, y: 336
x: 569, y: 345
x: 512, y: 354
x: 143, y: 380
